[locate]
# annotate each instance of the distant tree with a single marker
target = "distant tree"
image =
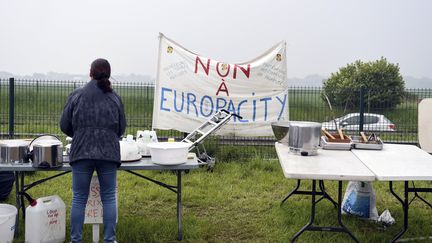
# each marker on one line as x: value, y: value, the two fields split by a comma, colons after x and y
x: 380, y: 79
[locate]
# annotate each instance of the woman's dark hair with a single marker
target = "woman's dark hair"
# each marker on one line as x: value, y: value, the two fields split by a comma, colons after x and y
x: 100, y: 70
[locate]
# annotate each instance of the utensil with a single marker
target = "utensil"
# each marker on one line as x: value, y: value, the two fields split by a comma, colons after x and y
x: 327, y: 133
x: 331, y: 111
x: 362, y: 134
x: 341, y: 135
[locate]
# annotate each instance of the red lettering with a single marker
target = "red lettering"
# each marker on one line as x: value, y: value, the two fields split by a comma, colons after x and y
x: 95, y: 191
x: 89, y: 213
x: 91, y: 203
x: 224, y: 66
x: 245, y: 71
x: 222, y: 88
x: 206, y: 68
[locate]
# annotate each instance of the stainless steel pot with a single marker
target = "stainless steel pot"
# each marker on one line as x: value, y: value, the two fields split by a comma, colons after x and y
x: 13, y: 151
x: 46, y: 152
x: 304, y: 137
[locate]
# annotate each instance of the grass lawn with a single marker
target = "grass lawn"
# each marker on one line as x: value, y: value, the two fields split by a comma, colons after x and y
x: 238, y: 202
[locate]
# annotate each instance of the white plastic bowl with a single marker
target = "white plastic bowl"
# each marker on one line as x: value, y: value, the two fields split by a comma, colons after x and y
x: 169, y: 153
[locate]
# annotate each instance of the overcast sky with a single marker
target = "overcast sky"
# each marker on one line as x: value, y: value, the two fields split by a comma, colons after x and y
x: 321, y: 36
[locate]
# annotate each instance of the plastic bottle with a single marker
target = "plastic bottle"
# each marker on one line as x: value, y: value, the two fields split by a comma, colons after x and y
x: 46, y: 221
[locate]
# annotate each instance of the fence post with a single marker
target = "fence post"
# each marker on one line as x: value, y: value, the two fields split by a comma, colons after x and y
x: 11, y: 107
x: 362, y: 91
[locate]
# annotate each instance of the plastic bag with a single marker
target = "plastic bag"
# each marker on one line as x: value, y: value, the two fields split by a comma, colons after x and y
x: 360, y: 200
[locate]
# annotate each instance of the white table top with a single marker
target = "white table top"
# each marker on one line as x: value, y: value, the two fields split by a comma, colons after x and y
x: 327, y: 165
x: 397, y: 162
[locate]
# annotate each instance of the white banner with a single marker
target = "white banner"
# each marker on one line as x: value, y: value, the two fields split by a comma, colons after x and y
x: 191, y: 88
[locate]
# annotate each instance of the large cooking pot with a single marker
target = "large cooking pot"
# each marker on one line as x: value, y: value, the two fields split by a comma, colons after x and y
x: 304, y: 137
x: 46, y: 151
x: 13, y: 151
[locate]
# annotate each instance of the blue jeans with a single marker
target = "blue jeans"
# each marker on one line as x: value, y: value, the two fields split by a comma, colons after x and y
x: 82, y: 172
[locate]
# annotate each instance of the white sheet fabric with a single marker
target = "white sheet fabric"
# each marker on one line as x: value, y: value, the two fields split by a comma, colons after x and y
x: 191, y: 88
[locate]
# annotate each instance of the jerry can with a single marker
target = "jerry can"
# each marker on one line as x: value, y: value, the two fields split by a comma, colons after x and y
x: 46, y: 220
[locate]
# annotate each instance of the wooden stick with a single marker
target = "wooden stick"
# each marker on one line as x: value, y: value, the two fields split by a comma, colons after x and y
x: 362, y: 134
x: 327, y: 133
x: 341, y: 135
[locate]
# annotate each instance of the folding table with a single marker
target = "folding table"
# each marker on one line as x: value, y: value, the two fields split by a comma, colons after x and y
x: 398, y: 162
x: 131, y: 167
x: 327, y: 165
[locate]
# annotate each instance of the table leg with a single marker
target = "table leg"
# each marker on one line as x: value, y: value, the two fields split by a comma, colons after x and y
x: 312, y: 217
x: 324, y: 194
x: 416, y: 195
x: 22, y: 185
x: 291, y: 192
x: 405, y: 206
x: 179, y: 207
x: 310, y: 227
x: 339, y: 207
x: 17, y: 202
x: 177, y: 189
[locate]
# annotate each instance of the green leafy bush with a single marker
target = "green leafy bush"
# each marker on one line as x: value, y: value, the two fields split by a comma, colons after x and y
x: 380, y: 79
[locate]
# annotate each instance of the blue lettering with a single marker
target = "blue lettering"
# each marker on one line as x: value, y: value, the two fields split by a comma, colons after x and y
x: 191, y: 98
x: 163, y: 98
x: 253, y: 108
x: 238, y: 110
x: 218, y: 103
x: 175, y: 102
x: 265, y: 106
x: 202, y: 105
x: 231, y: 109
x: 283, y: 105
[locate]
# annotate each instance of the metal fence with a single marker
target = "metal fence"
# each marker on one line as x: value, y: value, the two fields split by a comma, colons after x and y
x: 32, y: 107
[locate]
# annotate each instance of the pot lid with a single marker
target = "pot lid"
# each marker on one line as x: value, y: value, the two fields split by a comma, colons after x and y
x: 14, y: 143
x: 45, y: 140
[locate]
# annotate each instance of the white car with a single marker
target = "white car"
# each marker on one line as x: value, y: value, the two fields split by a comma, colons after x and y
x: 371, y: 122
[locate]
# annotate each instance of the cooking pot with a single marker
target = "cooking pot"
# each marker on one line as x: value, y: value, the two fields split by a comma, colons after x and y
x: 46, y: 151
x: 13, y: 151
x: 304, y: 137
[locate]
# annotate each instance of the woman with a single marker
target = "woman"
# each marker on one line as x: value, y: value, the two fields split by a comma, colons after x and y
x: 94, y: 117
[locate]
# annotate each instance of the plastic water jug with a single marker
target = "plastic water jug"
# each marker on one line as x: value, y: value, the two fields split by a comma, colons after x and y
x: 7, y: 222
x: 46, y: 221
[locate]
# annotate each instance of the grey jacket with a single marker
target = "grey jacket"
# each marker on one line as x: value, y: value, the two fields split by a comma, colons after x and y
x: 95, y: 120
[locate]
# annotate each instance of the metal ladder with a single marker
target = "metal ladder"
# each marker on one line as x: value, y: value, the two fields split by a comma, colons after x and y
x: 197, y: 136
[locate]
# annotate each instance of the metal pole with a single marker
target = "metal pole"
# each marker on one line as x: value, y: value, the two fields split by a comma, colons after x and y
x: 11, y: 107
x: 361, y: 109
x: 179, y: 207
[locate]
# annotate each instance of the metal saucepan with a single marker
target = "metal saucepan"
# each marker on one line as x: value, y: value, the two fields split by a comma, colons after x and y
x: 46, y: 151
x: 13, y: 151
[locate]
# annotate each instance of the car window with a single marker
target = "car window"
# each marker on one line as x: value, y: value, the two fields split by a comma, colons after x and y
x: 370, y: 119
x: 354, y: 120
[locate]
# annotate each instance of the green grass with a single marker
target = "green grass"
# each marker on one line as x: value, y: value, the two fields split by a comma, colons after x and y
x: 238, y: 202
